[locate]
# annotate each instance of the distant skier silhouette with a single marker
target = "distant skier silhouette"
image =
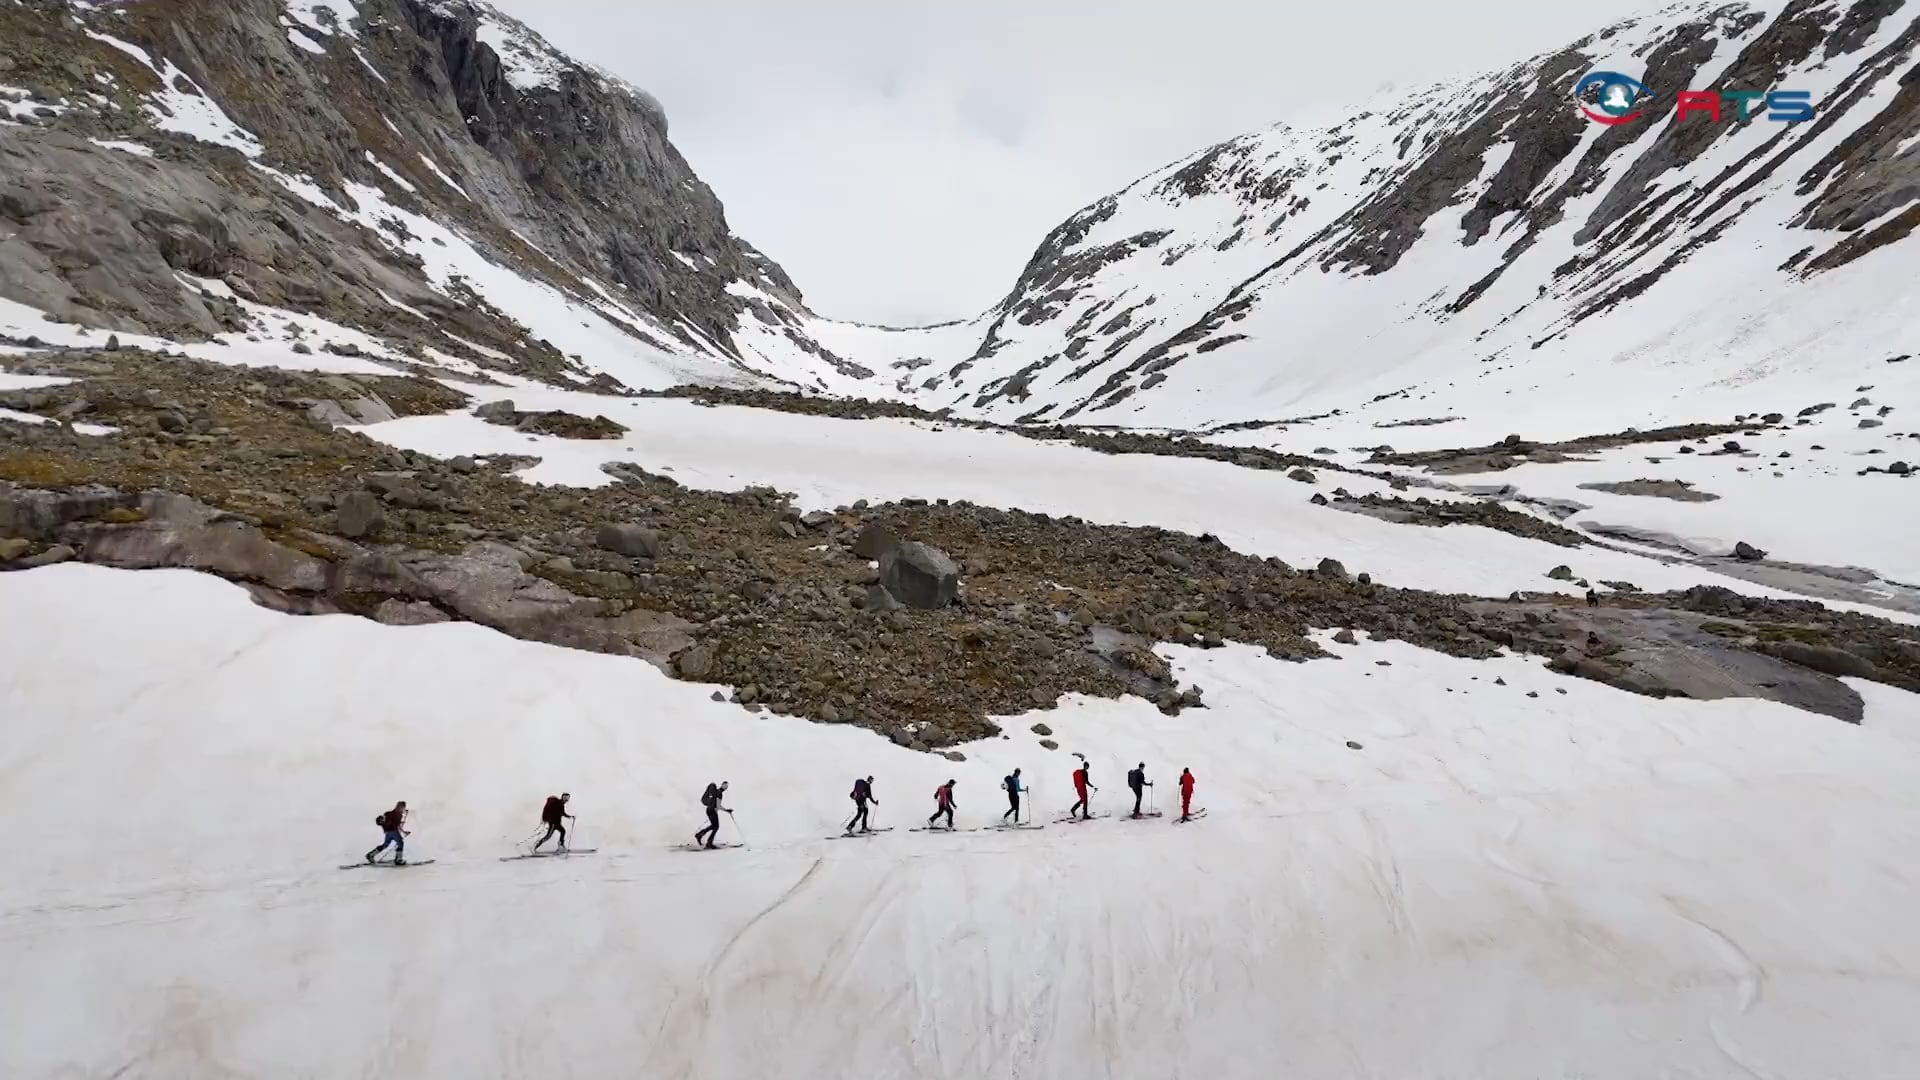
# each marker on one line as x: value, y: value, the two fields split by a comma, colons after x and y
x: 943, y: 804
x: 1137, y: 780
x: 554, y: 816
x: 1013, y: 789
x: 1186, y: 794
x: 392, y: 825
x: 862, y: 795
x: 712, y: 800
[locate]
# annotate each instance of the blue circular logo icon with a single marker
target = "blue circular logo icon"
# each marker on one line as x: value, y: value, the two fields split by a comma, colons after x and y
x: 1616, y: 98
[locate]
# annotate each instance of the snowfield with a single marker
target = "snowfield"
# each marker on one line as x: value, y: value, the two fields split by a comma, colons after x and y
x: 1494, y: 885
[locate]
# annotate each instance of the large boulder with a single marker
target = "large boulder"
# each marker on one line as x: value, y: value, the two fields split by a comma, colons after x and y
x: 633, y: 541
x: 920, y: 576
x: 1746, y: 552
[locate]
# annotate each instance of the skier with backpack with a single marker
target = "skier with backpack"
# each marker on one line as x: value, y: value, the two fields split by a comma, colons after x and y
x: 1013, y: 789
x: 943, y: 804
x: 392, y: 824
x: 1186, y: 795
x: 1137, y: 780
x: 554, y: 815
x: 862, y: 795
x: 712, y: 799
x: 1081, y: 785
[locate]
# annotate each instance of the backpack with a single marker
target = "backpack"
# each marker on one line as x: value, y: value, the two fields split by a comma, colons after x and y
x: 860, y: 789
x: 711, y: 796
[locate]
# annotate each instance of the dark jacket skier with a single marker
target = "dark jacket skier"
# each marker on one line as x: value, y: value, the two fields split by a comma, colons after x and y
x: 862, y: 795
x: 392, y: 824
x: 712, y: 799
x: 1137, y: 780
x: 943, y: 804
x: 554, y: 815
x: 1013, y: 789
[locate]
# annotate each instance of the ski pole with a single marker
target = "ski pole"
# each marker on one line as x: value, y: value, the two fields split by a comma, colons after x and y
x: 736, y: 826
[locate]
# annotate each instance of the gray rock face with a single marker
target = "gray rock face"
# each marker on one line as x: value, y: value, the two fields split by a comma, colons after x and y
x: 920, y: 576
x: 578, y: 164
x: 497, y: 412
x: 695, y: 663
x: 633, y: 541
x: 361, y: 516
x: 409, y: 613
x: 1821, y: 658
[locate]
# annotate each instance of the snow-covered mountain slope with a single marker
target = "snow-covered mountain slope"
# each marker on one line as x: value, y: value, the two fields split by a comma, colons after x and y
x: 1482, y: 250
x: 425, y: 173
x: 1391, y: 880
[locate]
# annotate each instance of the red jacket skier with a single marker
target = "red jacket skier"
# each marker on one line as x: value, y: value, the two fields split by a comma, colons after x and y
x: 1186, y: 794
x: 1081, y: 785
x: 943, y: 804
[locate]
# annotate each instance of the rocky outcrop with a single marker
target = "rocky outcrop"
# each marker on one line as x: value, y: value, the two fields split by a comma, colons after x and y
x: 555, y: 422
x: 555, y: 170
x: 485, y: 583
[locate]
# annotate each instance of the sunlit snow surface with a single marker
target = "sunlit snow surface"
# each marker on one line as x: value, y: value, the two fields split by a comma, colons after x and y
x: 1494, y: 885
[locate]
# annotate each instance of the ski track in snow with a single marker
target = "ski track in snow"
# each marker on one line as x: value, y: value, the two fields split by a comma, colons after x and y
x: 1495, y: 885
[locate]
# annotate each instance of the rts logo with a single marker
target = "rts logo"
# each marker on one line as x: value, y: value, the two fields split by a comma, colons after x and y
x: 1621, y: 98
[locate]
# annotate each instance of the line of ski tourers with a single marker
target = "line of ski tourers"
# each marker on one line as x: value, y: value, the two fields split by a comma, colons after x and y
x: 554, y: 815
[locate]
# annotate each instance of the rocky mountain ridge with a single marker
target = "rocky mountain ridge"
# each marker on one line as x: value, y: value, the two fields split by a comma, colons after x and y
x: 1480, y: 226
x: 429, y: 172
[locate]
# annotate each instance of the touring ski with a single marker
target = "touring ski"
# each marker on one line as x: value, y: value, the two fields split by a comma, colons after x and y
x: 385, y: 864
x: 549, y: 854
x: 702, y: 847
x: 1200, y: 813
x: 860, y: 832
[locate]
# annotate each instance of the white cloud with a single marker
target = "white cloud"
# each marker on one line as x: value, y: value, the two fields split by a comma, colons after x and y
x: 903, y: 160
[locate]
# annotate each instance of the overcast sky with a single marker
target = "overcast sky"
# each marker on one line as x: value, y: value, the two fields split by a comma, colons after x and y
x: 903, y: 159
